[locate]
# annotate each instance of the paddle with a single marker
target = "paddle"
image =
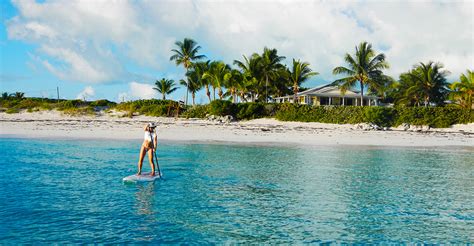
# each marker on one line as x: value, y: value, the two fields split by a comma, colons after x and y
x: 154, y: 152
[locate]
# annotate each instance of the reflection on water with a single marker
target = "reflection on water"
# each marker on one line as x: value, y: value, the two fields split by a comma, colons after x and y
x: 236, y: 194
x: 144, y: 197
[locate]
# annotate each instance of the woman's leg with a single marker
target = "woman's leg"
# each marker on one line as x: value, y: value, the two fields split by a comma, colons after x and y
x: 140, y: 160
x: 152, y: 165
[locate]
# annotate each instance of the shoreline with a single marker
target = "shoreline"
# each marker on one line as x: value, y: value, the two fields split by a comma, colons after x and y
x: 457, y: 148
x: 53, y: 125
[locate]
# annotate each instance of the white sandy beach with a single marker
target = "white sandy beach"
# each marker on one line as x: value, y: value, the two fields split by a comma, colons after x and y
x: 52, y: 124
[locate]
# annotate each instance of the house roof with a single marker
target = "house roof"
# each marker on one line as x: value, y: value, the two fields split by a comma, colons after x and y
x: 327, y: 91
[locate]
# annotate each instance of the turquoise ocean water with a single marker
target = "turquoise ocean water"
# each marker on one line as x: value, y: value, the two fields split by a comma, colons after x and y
x: 70, y: 191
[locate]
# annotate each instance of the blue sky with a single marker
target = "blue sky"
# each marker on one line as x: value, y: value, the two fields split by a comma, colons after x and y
x: 114, y: 50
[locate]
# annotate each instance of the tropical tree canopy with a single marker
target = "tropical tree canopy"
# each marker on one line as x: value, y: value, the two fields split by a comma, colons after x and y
x: 270, y: 67
x: 193, y: 83
x: 199, y: 68
x: 263, y: 75
x: 186, y: 53
x: 218, y: 74
x: 463, y: 90
x: 19, y: 95
x: 365, y: 69
x: 424, y: 84
x: 300, y: 72
x: 233, y: 84
x: 165, y: 87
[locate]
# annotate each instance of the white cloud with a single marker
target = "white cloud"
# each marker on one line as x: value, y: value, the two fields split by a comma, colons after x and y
x: 86, y: 94
x: 100, y: 41
x: 142, y: 91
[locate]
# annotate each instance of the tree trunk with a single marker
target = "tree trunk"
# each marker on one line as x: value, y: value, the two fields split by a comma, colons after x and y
x: 164, y: 97
x: 213, y: 93
x: 194, y: 95
x: 187, y: 88
x: 242, y: 97
x: 361, y: 94
x: 295, y: 91
x: 219, y: 92
x: 266, y: 88
x: 208, y: 93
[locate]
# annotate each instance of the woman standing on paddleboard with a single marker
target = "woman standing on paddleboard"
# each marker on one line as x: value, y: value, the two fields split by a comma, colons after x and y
x: 148, y: 146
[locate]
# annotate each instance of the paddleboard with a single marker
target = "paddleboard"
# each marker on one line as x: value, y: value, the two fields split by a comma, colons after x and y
x: 144, y: 177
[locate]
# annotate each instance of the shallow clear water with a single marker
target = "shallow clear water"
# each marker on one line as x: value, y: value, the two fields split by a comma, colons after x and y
x: 67, y: 191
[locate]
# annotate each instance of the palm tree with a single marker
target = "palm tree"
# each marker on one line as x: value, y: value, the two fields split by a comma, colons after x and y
x: 5, y: 95
x: 165, y: 87
x: 19, y: 95
x: 463, y: 90
x: 250, y: 69
x: 200, y: 68
x: 365, y: 68
x: 218, y: 74
x: 405, y: 93
x: 233, y: 84
x: 186, y: 53
x: 429, y: 82
x: 192, y: 83
x: 299, y: 73
x: 270, y: 64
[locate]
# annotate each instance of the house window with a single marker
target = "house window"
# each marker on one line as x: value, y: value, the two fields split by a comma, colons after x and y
x: 324, y: 100
x: 349, y: 101
x: 302, y: 99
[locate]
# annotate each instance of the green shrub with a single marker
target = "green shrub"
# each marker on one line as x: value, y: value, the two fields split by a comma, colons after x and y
x: 251, y: 110
x: 381, y: 116
x: 197, y: 111
x: 46, y: 106
x: 102, y: 103
x: 270, y: 109
x: 79, y: 111
x: 70, y: 104
x: 323, y: 114
x: 151, y: 107
x: 222, y: 108
x: 27, y: 104
x: 434, y: 116
x: 12, y: 111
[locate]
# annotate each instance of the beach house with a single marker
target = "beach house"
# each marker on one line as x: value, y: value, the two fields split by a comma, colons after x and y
x: 329, y: 95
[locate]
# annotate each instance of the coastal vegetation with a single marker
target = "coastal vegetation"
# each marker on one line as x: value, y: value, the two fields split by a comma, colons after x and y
x: 420, y: 96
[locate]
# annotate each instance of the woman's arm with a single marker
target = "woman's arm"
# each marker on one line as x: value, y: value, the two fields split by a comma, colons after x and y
x: 145, y: 127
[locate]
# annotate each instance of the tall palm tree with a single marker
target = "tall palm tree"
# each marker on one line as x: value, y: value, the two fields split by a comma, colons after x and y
x: 270, y: 64
x: 405, y: 93
x: 200, y: 68
x: 429, y: 82
x: 365, y: 68
x: 233, y: 84
x: 218, y: 73
x: 193, y: 84
x: 186, y: 53
x: 5, y: 95
x: 463, y: 90
x: 250, y: 69
x: 19, y: 95
x: 165, y: 87
x: 300, y: 72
